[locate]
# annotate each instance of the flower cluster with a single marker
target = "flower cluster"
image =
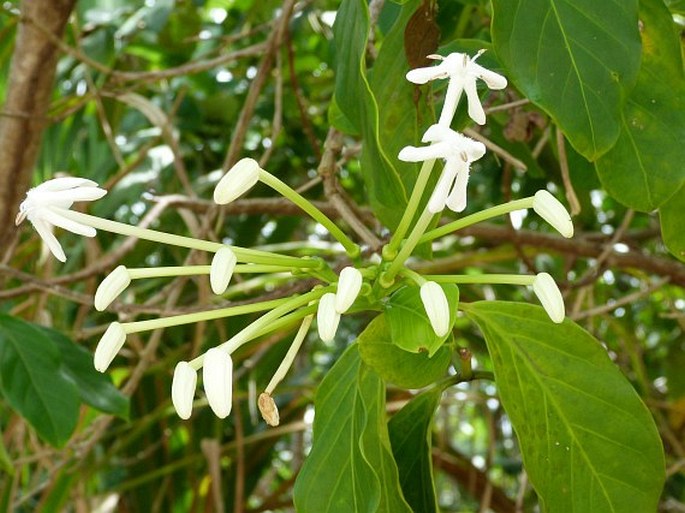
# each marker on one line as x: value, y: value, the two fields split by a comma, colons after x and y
x: 336, y: 293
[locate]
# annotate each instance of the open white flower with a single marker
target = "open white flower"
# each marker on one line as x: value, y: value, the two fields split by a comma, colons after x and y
x: 43, y: 203
x: 217, y: 377
x: 459, y: 152
x: 437, y: 307
x: 462, y: 72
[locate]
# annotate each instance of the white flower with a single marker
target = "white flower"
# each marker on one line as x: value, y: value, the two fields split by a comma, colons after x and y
x: 462, y: 72
x: 109, y: 289
x: 221, y: 270
x: 550, y: 297
x: 217, y: 377
x: 183, y: 389
x: 349, y: 285
x: 459, y: 152
x: 436, y: 306
x: 327, y: 318
x: 43, y: 202
x: 109, y: 346
x: 552, y: 211
x: 237, y: 181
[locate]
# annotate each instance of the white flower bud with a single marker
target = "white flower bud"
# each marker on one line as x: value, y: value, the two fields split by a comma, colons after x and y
x: 552, y: 211
x: 436, y: 306
x: 327, y: 318
x: 110, y: 288
x: 239, y: 179
x: 217, y: 377
x: 183, y: 389
x: 109, y: 346
x: 550, y: 297
x: 222, y: 268
x: 349, y: 285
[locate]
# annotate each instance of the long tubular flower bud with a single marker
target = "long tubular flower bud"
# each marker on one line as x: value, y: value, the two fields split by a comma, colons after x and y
x: 223, y: 265
x: 183, y: 389
x: 217, y: 377
x: 237, y: 181
x: 349, y: 285
x: 436, y: 306
x: 109, y: 346
x: 109, y: 289
x: 552, y: 211
x: 550, y: 297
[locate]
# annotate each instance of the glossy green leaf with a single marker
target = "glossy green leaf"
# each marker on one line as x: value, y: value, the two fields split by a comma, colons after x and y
x: 32, y: 380
x: 400, y: 367
x: 644, y: 169
x: 410, y: 328
x: 671, y: 215
x: 575, y: 59
x: 350, y: 468
x: 410, y: 437
x: 95, y: 388
x: 588, y: 441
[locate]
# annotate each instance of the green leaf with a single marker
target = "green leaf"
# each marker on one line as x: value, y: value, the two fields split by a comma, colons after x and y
x: 350, y: 468
x: 577, y: 59
x: 644, y: 169
x: 671, y: 217
x: 410, y: 328
x: 32, y: 381
x: 404, y: 369
x: 95, y: 388
x: 410, y: 437
x: 588, y: 441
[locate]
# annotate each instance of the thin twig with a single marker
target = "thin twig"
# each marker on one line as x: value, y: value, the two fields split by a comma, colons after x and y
x: 566, y: 175
x: 498, y: 150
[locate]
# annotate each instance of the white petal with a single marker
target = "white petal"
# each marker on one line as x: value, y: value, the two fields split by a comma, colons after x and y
x: 45, y: 232
x: 437, y: 133
x: 67, y: 224
x: 217, y: 377
x: 474, y: 149
x: 421, y: 153
x: 109, y: 346
x: 349, y: 285
x: 237, y: 181
x: 110, y: 288
x: 221, y: 270
x: 552, y: 211
x: 183, y: 389
x: 327, y: 318
x: 423, y: 75
x: 492, y: 79
x: 64, y: 183
x: 83, y: 194
x: 452, y: 97
x: 550, y: 297
x: 476, y: 111
x: 456, y: 201
x: 436, y: 203
x: 436, y: 306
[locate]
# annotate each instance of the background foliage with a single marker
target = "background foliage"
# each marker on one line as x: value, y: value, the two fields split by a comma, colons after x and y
x: 152, y: 100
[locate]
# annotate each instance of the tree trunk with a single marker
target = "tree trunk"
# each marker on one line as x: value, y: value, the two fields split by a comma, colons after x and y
x: 29, y: 91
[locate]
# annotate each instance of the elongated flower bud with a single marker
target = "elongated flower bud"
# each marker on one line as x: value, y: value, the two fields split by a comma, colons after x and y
x: 349, y: 285
x: 552, y: 211
x: 183, y: 389
x: 327, y: 318
x: 222, y: 268
x: 436, y: 306
x: 109, y: 346
x: 109, y: 289
x: 268, y: 409
x: 217, y: 377
x: 550, y: 297
x: 239, y: 179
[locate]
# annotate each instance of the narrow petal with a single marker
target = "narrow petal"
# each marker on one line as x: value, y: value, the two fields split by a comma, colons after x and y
x: 492, y: 79
x: 67, y: 224
x: 327, y: 318
x: 476, y: 111
x: 550, y: 297
x: 437, y: 133
x: 109, y: 346
x: 114, y: 284
x: 183, y: 389
x: 221, y: 271
x: 423, y: 75
x: 436, y: 306
x: 64, y: 183
x: 83, y: 194
x: 474, y: 149
x: 217, y: 377
x: 452, y: 97
x: 552, y: 211
x: 421, y: 153
x: 349, y: 285
x: 237, y: 181
x: 456, y: 201
x: 436, y: 203
x: 45, y: 232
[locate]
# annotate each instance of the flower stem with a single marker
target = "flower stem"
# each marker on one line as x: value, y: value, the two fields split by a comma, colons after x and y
x: 413, y: 276
x: 488, y: 213
x: 243, y: 254
x: 290, y: 355
x: 390, y: 251
x: 490, y: 279
x: 285, y: 190
x: 196, y: 270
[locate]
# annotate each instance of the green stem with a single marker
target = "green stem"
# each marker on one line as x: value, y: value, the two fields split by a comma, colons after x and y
x: 490, y: 279
x: 177, y: 320
x: 387, y: 278
x: 483, y: 215
x: 413, y: 275
x: 290, y: 355
x: 285, y: 190
x: 197, y: 270
x: 390, y: 251
x: 243, y: 254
